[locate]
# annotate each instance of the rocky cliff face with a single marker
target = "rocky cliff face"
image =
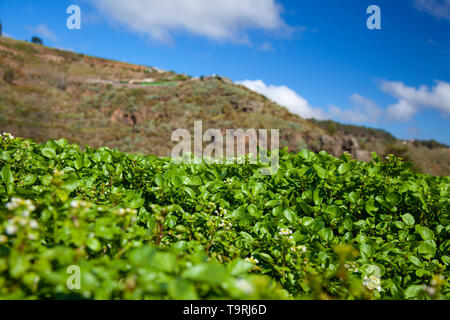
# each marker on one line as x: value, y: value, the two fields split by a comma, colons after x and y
x: 340, y: 144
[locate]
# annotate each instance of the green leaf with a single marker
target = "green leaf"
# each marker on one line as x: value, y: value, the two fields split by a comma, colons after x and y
x: 332, y: 210
x: 61, y: 142
x: 195, y: 181
x: 344, y: 168
x: 240, y: 267
x: 326, y: 234
x: 307, y: 221
x: 78, y: 163
x: 7, y: 175
x: 136, y: 203
x: 164, y: 261
x: 425, y: 233
x: 272, y: 203
x: 29, y: 180
x: 354, y: 196
x: 408, y: 219
x: 321, y: 172
x: 71, y: 183
x: 413, y: 291
x: 19, y: 264
x: 399, y: 224
x: 290, y: 215
x: 49, y: 153
x: 317, y: 198
x: 370, y: 206
x: 180, y: 289
x: 306, y: 208
x: 365, y: 249
x: 416, y: 261
x: 159, y: 180
x: 393, y: 197
x: 265, y: 257
x: 94, y: 244
x: 253, y: 210
x: 427, y: 250
x: 206, y: 272
x: 190, y: 192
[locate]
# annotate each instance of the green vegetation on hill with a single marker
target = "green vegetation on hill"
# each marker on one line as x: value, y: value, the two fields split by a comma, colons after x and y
x: 144, y: 227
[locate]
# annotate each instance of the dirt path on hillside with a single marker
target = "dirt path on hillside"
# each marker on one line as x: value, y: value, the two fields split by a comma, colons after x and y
x: 132, y: 83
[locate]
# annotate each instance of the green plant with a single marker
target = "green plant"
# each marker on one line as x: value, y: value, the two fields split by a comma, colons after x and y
x: 142, y: 227
x: 37, y: 40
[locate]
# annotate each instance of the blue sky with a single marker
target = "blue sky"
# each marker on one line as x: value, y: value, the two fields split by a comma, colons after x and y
x: 318, y: 58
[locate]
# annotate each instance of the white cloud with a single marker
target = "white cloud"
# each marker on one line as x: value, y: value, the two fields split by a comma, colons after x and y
x: 364, y: 111
x: 286, y: 97
x: 438, y: 8
x: 223, y: 20
x: 266, y: 46
x: 43, y: 31
x: 401, y: 111
x: 411, y: 100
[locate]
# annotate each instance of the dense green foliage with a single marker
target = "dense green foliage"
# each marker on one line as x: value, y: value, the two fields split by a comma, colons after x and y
x: 144, y: 227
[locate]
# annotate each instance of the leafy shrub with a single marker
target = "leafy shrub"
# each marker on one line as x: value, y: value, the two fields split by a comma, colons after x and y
x: 37, y: 40
x: 430, y: 144
x: 141, y: 227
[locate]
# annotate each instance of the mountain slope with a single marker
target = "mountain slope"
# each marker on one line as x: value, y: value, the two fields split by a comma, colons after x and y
x: 47, y: 93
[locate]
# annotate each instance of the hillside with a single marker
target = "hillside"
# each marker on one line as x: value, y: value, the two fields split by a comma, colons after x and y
x: 47, y: 94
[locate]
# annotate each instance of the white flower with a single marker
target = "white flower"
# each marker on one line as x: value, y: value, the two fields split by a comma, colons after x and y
x: 351, y: 266
x: 7, y: 135
x: 301, y: 249
x: 75, y: 204
x: 252, y: 260
x: 123, y: 211
x: 225, y: 223
x: 285, y: 231
x: 13, y: 204
x: 30, y: 206
x: 11, y: 230
x: 33, y: 224
x: 23, y: 222
x: 131, y: 211
x: 429, y: 290
x: 79, y: 204
x: 10, y: 206
x: 31, y: 236
x: 27, y: 205
x: 244, y: 286
x: 437, y: 280
x: 372, y: 283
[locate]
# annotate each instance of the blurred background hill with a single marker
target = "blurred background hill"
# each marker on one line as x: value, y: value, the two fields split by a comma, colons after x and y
x: 47, y: 93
